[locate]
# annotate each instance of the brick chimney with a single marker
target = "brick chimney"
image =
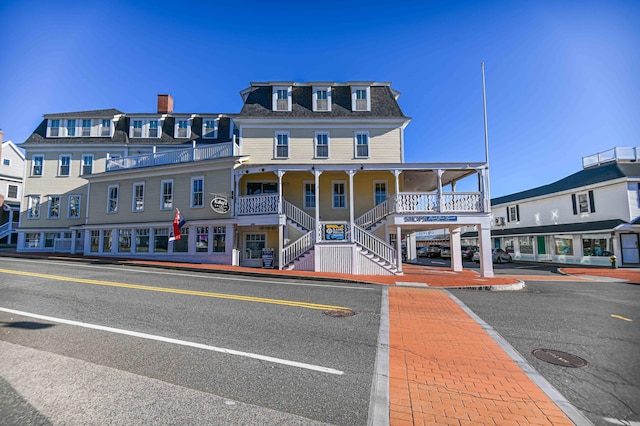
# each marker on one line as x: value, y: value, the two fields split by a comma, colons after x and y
x: 165, y: 104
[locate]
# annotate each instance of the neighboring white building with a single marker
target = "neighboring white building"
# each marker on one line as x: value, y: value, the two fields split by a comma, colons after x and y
x: 581, y: 219
x: 11, y: 174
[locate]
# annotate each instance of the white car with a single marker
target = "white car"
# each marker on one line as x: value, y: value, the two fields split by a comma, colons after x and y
x: 498, y: 256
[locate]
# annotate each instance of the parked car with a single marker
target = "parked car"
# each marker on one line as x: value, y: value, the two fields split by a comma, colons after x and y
x: 498, y: 256
x: 468, y: 251
x: 421, y: 251
x: 445, y: 252
x: 434, y: 250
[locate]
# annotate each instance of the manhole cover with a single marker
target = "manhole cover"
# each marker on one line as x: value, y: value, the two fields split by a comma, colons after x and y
x: 340, y: 313
x: 560, y: 358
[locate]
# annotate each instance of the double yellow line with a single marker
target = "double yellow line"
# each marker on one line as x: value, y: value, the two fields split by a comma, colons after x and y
x: 178, y: 291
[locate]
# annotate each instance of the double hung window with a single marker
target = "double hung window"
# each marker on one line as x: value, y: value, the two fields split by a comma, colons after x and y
x: 309, y: 195
x: 112, y: 199
x: 54, y: 207
x: 282, y: 145
x: 322, y: 98
x: 71, y: 128
x: 360, y: 100
x: 86, y: 128
x: 197, y: 192
x: 322, y: 145
x: 37, y: 163
x: 33, y: 207
x: 166, y: 196
x: 138, y: 197
x: 182, y: 129
x: 87, y: 164
x: 64, y: 165
x: 12, y: 191
x: 339, y: 195
x: 105, y: 128
x: 362, y: 144
x: 54, y: 128
x: 209, y: 128
x: 73, y: 211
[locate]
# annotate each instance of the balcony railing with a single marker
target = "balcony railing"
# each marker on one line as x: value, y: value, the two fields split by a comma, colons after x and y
x: 208, y: 152
x: 257, y: 204
x: 614, y: 154
x: 431, y: 202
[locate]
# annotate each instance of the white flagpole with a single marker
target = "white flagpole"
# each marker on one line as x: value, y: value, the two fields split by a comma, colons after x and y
x: 486, y: 139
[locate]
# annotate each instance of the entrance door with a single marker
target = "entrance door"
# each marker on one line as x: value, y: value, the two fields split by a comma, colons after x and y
x: 542, y: 248
x: 630, y: 252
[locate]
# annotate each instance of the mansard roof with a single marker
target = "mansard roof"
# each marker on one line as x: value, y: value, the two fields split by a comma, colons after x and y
x: 97, y: 113
x: 258, y: 101
x: 585, y: 177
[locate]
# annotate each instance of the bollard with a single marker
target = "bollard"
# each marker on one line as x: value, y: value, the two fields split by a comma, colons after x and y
x: 613, y: 260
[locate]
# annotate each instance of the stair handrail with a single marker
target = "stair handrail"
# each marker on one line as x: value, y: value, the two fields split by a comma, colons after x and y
x: 297, y: 248
x: 377, y: 213
x: 6, y: 229
x: 298, y: 216
x: 374, y: 245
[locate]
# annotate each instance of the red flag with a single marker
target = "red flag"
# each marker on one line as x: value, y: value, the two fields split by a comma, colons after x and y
x: 178, y: 222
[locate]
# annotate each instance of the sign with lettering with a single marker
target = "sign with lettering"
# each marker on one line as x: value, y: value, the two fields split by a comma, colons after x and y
x: 409, y: 219
x: 334, y: 231
x: 267, y: 258
x: 220, y: 205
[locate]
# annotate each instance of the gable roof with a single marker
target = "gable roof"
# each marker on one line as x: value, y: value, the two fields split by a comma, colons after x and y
x: 9, y: 144
x: 588, y: 176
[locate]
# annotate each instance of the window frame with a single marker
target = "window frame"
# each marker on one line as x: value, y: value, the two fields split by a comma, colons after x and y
x: 84, y: 164
x: 513, y: 213
x: 101, y: 127
x: 306, y: 202
x: 375, y: 191
x: 276, y: 144
x: 343, y: 196
x: 276, y: 90
x: 316, y: 145
x: 112, y: 201
x: 176, y: 128
x: 262, y: 240
x: 71, y: 128
x: 163, y: 205
x: 61, y: 165
x: 50, y: 206
x: 356, y: 144
x: 193, y: 192
x: 83, y: 127
x: 30, y: 206
x: 134, y: 197
x: 582, y: 208
x: 145, y: 128
x: 216, y: 232
x: 354, y: 97
x: 17, y: 191
x: 69, y: 204
x: 215, y: 121
x: 51, y: 127
x: 33, y: 165
x: 6, y: 162
x: 316, y: 90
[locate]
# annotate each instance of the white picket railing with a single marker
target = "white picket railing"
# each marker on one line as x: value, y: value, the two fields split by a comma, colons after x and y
x: 207, y: 152
x: 377, y: 213
x: 374, y: 245
x: 298, y: 216
x: 461, y: 202
x: 257, y: 204
x: 298, y: 248
x: 408, y: 202
x: 414, y: 202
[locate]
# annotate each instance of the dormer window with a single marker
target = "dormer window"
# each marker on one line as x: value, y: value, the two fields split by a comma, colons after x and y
x: 360, y: 98
x: 183, y: 129
x: 105, y: 128
x: 54, y: 128
x: 71, y: 127
x: 281, y: 98
x: 144, y: 128
x: 322, y: 98
x: 209, y: 128
x: 86, y: 128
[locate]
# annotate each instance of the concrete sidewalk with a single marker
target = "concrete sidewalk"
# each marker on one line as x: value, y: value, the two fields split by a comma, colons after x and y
x: 444, y: 366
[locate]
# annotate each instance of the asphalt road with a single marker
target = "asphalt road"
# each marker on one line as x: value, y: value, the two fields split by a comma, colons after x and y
x: 293, y: 363
x: 597, y: 321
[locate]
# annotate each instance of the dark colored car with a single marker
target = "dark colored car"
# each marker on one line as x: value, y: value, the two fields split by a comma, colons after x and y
x: 467, y: 252
x: 434, y: 250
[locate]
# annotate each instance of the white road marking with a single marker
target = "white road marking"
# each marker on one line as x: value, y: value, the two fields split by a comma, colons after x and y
x: 181, y: 274
x: 177, y: 342
x: 621, y: 422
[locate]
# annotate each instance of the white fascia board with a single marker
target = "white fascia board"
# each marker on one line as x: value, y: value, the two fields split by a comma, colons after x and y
x: 313, y: 122
x: 14, y: 148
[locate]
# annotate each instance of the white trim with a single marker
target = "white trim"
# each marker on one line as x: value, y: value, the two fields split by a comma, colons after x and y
x: 274, y: 97
x: 50, y: 127
x: 304, y: 194
x: 100, y: 127
x: 82, y: 164
x: 275, y: 144
x: 315, y: 144
x: 81, y: 127
x: 386, y: 189
x: 355, y: 144
x: 49, y: 206
x: 244, y: 243
x: 194, y: 178
x: 162, y: 206
x: 216, y: 125
x: 344, y: 195
x: 134, y: 208
x: 60, y: 157
x: 12, y: 183
x: 176, y: 128
x: 354, y: 93
x: 29, y: 206
x: 33, y: 157
x: 69, y: 206
x: 145, y: 127
x: 117, y: 198
x: 316, y: 89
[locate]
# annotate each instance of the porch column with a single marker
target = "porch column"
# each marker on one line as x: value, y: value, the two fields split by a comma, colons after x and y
x: 351, y: 173
x: 279, y: 173
x: 236, y: 193
x: 396, y: 174
x: 486, y: 261
x: 316, y: 174
x: 481, y: 187
x: 456, y: 253
x: 399, y: 248
x: 439, y: 174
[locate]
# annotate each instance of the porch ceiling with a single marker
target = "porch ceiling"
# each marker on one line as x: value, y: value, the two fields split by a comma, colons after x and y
x: 427, y: 180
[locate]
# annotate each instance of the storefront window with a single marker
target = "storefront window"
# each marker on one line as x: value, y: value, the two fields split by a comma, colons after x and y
x: 202, y: 239
x: 182, y: 245
x: 95, y: 242
x: 526, y: 245
x: 106, y: 242
x: 564, y: 246
x: 50, y: 239
x: 508, y: 245
x: 254, y: 245
x: 124, y: 241
x: 219, y: 236
x: 161, y: 240
x: 32, y: 239
x: 595, y: 245
x: 142, y: 240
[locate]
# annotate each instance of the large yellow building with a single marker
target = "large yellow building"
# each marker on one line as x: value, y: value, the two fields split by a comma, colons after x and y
x: 308, y: 176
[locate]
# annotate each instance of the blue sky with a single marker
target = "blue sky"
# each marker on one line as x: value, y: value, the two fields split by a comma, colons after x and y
x: 562, y: 77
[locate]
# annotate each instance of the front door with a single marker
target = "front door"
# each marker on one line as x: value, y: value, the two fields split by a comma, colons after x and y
x: 542, y: 248
x: 630, y: 252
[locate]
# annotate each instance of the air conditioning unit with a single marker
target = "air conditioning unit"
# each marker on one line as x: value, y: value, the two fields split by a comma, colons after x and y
x: 499, y: 221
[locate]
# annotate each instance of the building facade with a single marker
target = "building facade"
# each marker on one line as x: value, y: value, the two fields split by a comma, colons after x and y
x: 581, y: 219
x: 11, y: 174
x: 307, y: 176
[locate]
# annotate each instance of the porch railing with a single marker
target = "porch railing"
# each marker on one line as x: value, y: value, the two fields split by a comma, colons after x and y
x: 298, y: 216
x: 430, y: 202
x: 461, y: 202
x: 298, y: 248
x: 377, y: 213
x: 186, y: 155
x: 408, y: 202
x: 374, y: 245
x: 257, y: 204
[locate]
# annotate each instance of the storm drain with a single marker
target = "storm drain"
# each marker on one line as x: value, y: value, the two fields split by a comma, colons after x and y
x: 560, y: 358
x: 340, y: 313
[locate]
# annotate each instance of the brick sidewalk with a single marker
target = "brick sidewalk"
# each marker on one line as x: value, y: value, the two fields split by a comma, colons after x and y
x: 446, y: 370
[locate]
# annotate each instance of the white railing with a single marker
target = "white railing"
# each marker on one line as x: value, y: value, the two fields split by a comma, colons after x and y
x: 298, y: 216
x: 408, y: 202
x: 208, y: 152
x: 375, y: 245
x: 461, y: 202
x: 298, y: 248
x: 614, y: 154
x: 377, y: 213
x: 257, y: 204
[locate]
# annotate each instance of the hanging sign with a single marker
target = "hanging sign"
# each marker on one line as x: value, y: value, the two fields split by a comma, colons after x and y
x: 220, y: 205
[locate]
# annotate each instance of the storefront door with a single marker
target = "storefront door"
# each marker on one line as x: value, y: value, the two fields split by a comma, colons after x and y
x: 542, y: 248
x: 630, y: 252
